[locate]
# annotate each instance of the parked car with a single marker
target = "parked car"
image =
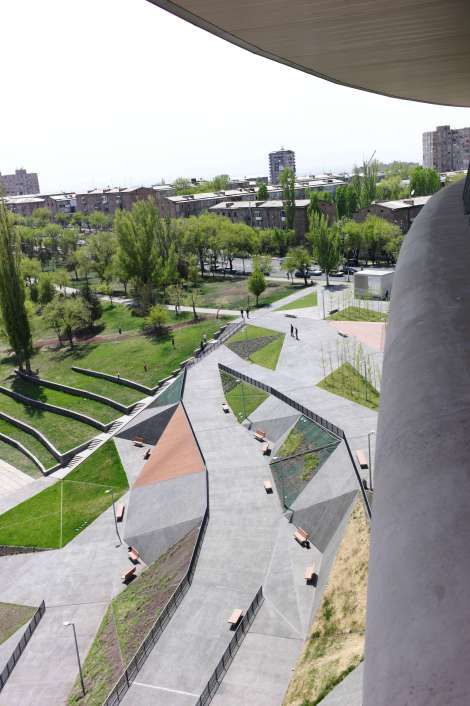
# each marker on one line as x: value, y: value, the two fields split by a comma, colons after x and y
x: 350, y: 270
x: 340, y: 273
x: 316, y: 273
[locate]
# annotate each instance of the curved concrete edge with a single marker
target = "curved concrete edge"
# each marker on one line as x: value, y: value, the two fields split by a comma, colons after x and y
x: 34, y: 432
x: 17, y: 445
x: 78, y: 392
x: 418, y: 612
x: 54, y: 409
x: 117, y: 380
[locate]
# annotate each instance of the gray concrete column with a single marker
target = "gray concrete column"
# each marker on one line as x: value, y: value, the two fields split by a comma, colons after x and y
x: 418, y: 616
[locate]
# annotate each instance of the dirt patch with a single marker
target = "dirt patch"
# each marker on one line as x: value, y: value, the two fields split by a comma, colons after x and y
x: 12, y: 617
x: 128, y: 620
x: 245, y: 348
x: 336, y: 643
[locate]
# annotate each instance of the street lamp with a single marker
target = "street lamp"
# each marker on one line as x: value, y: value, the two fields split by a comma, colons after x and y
x: 370, y: 458
x: 66, y: 624
x: 110, y: 490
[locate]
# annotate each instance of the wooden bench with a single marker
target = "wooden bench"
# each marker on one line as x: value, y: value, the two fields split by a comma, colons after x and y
x: 147, y: 454
x: 301, y: 536
x: 309, y: 573
x: 266, y: 449
x: 225, y: 407
x: 129, y: 574
x: 120, y: 512
x: 260, y: 435
x: 361, y: 458
x: 133, y: 554
x: 268, y: 486
x: 139, y: 441
x: 235, y: 618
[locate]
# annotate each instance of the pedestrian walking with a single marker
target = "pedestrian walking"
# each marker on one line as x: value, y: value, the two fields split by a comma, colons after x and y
x: 247, y: 313
x: 297, y: 333
x: 173, y: 341
x: 120, y: 330
x: 241, y: 313
x: 292, y: 330
x: 146, y: 367
x: 118, y: 378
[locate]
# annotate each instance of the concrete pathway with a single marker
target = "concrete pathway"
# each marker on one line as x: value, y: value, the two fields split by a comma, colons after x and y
x: 12, y: 479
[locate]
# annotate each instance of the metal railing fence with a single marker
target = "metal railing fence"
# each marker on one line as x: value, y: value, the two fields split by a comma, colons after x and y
x: 227, y: 658
x: 229, y: 331
x: 20, y: 647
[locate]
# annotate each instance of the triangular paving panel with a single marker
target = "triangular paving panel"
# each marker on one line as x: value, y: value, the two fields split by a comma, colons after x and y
x: 176, y: 453
x: 156, y: 542
x: 150, y: 425
x: 323, y: 519
x: 172, y: 394
x: 371, y: 333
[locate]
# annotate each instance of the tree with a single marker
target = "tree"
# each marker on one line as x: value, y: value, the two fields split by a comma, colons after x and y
x: 46, y: 289
x: 287, y: 179
x: 61, y: 279
x: 92, y: 303
x: 346, y: 201
x: 193, y: 270
x: 101, y: 248
x: 175, y: 295
x: 66, y: 316
x: 137, y: 232
x: 193, y: 300
x: 300, y: 259
x: 364, y: 183
x: 289, y: 265
x: 31, y: 269
x: 326, y: 245
x: 157, y: 318
x: 390, y: 189
x: 262, y: 193
x: 12, y: 294
x: 83, y: 262
x: 257, y: 284
x: 424, y: 181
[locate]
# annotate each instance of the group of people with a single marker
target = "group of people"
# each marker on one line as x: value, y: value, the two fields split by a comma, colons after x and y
x: 294, y: 332
x: 243, y: 311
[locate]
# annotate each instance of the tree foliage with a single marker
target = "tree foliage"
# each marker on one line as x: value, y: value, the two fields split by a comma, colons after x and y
x: 287, y: 180
x: 257, y: 284
x: 424, y: 181
x: 326, y: 245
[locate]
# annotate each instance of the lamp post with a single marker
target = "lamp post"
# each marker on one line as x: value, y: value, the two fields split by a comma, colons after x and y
x: 370, y: 459
x: 114, y: 513
x: 243, y: 398
x: 67, y: 624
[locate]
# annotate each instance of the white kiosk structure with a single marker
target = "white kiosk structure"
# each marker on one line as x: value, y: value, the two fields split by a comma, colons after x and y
x: 373, y: 284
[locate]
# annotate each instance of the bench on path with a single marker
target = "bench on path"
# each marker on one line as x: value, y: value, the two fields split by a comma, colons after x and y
x: 147, y: 454
x: 129, y: 574
x: 309, y: 573
x: 266, y: 449
x: 133, y: 554
x: 235, y: 618
x: 341, y: 333
x: 301, y: 536
x: 260, y: 435
x: 138, y: 441
x: 361, y: 458
x: 268, y: 486
x: 120, y: 512
x: 225, y: 407
x: 334, y: 311
x: 291, y: 316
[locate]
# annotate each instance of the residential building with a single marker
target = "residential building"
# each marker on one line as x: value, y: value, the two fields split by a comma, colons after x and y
x: 26, y: 205
x: 20, y: 183
x: 447, y: 150
x: 401, y: 212
x: 270, y: 214
x: 112, y: 200
x: 278, y: 161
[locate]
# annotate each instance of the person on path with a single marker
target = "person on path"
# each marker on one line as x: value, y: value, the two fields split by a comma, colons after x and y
x: 241, y: 313
x: 247, y: 313
x: 297, y: 334
x: 292, y: 330
x: 146, y: 367
x: 173, y: 341
x: 120, y: 330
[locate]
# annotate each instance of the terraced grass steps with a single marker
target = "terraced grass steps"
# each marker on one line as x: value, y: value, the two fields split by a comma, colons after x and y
x: 258, y: 345
x: 26, y: 442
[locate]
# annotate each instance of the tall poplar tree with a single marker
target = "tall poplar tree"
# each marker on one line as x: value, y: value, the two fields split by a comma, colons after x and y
x: 12, y: 293
x: 287, y: 179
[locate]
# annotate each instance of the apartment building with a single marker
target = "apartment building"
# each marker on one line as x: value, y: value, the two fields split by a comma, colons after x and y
x: 401, y: 212
x: 27, y: 204
x: 278, y: 161
x: 20, y: 183
x: 447, y: 150
x: 112, y: 199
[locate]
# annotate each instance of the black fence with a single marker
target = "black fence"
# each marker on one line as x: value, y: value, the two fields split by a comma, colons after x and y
x: 20, y: 647
x: 227, y: 658
x: 209, y: 347
x: 466, y: 193
x: 125, y: 680
x: 321, y: 421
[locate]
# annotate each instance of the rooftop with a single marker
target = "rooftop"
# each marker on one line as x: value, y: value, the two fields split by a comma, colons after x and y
x: 404, y: 203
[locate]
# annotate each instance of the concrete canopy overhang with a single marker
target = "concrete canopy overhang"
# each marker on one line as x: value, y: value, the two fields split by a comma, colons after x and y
x: 414, y: 50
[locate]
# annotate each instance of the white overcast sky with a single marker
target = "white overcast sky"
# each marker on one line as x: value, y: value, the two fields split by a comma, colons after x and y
x: 117, y: 92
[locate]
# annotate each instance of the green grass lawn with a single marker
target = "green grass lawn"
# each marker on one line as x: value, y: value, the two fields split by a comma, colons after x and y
x: 234, y: 293
x: 259, y: 345
x: 30, y: 442
x: 59, y: 513
x: 125, y: 356
x: 12, y: 617
x: 101, y: 412
x: 241, y: 397
x: 356, y: 313
x: 128, y: 620
x: 63, y: 432
x: 347, y: 382
x: 302, y: 303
